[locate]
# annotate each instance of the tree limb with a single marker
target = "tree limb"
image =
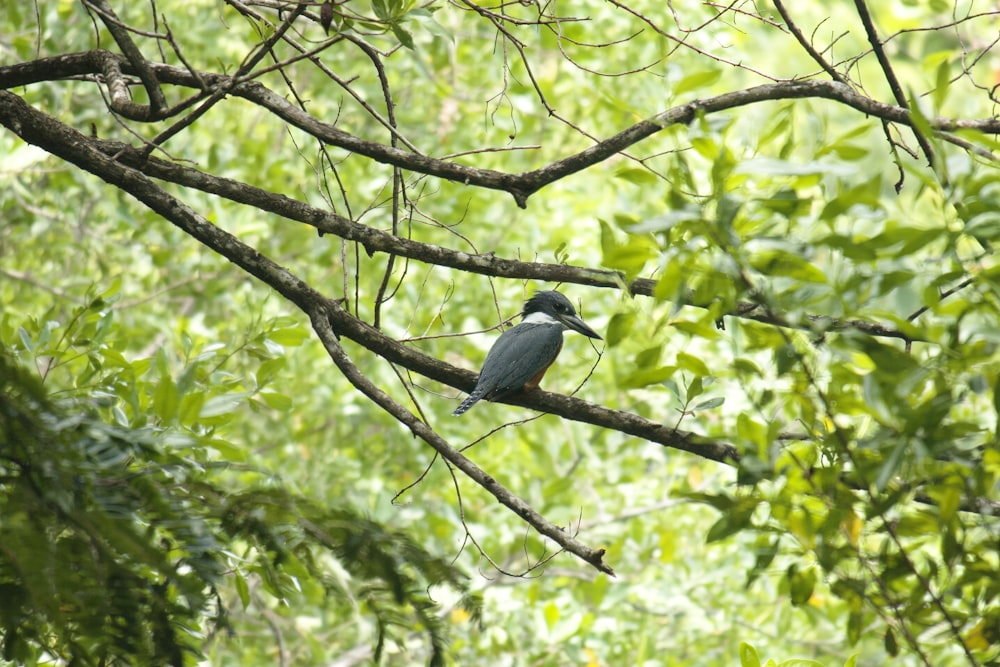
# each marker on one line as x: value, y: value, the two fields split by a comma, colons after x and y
x: 520, y: 186
x: 890, y: 75
x: 374, y: 240
x: 157, y: 101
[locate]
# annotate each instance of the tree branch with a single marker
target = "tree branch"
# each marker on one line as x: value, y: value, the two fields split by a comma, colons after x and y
x: 807, y: 45
x: 374, y: 240
x: 321, y: 322
x: 520, y: 186
x: 890, y: 76
x: 157, y: 101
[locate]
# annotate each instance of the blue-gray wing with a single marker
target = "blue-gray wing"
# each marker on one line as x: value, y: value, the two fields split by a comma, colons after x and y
x: 518, y: 356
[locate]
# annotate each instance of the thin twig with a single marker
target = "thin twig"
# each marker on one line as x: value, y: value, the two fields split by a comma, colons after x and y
x: 890, y: 75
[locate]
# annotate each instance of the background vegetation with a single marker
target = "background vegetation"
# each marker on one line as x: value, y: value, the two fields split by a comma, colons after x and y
x: 252, y: 253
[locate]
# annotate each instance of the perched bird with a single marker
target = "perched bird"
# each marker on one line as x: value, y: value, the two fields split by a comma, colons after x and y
x: 521, y: 355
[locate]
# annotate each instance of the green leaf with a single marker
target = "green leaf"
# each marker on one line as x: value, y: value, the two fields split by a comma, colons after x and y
x: 697, y: 80
x: 242, y: 589
x: 275, y: 400
x: 551, y: 613
x: 707, y: 147
x: 942, y: 82
x: 777, y: 262
x: 628, y: 256
x: 694, y: 389
x: 984, y: 226
x: 190, y: 408
x: 889, y: 641
x: 702, y: 328
x: 619, y: 327
x: 380, y: 10
x: 891, y: 465
x: 732, y: 521
x: 917, y: 116
x: 800, y: 584
x: 692, y: 363
x: 289, y: 336
x: 749, y: 430
x: 888, y: 358
x: 649, y: 357
x: 225, y: 404
x: 646, y: 376
x: 670, y: 286
x: 26, y: 341
x: 709, y: 404
x: 636, y: 175
x: 748, y: 656
x: 855, y: 625
x: 785, y: 358
x: 166, y: 399
x: 425, y: 17
x: 403, y: 35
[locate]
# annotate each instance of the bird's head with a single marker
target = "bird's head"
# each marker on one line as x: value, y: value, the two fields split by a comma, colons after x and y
x: 552, y: 306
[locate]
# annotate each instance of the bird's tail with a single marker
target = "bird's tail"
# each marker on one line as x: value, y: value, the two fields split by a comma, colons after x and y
x: 469, y: 401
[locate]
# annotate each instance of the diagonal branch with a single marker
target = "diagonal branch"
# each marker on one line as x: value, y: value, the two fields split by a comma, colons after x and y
x: 40, y: 129
x: 321, y: 324
x: 807, y: 45
x: 55, y: 137
x: 890, y: 76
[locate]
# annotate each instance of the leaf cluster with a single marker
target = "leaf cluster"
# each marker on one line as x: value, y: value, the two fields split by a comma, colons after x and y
x: 118, y: 542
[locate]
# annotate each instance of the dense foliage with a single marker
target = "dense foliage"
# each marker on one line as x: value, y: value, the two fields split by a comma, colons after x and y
x: 251, y: 253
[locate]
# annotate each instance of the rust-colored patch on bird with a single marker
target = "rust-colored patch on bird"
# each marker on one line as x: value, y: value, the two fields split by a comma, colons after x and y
x: 536, y: 380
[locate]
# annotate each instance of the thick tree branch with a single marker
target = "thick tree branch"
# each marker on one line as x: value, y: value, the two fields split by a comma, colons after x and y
x: 37, y: 128
x: 157, y: 101
x: 374, y: 240
x: 520, y: 186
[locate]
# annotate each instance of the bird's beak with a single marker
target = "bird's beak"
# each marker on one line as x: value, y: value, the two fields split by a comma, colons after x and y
x: 576, y: 324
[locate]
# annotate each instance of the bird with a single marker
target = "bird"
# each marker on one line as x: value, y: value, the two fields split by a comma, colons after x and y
x: 522, y: 354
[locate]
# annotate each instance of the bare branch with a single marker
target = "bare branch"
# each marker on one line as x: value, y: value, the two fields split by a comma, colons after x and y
x: 890, y: 76
x: 157, y: 101
x: 522, y: 185
x: 65, y: 142
x: 374, y: 240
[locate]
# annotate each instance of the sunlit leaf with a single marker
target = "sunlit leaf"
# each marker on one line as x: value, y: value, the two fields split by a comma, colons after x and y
x: 776, y: 262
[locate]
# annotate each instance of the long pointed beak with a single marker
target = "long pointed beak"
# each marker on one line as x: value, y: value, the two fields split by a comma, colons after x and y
x: 579, y: 326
